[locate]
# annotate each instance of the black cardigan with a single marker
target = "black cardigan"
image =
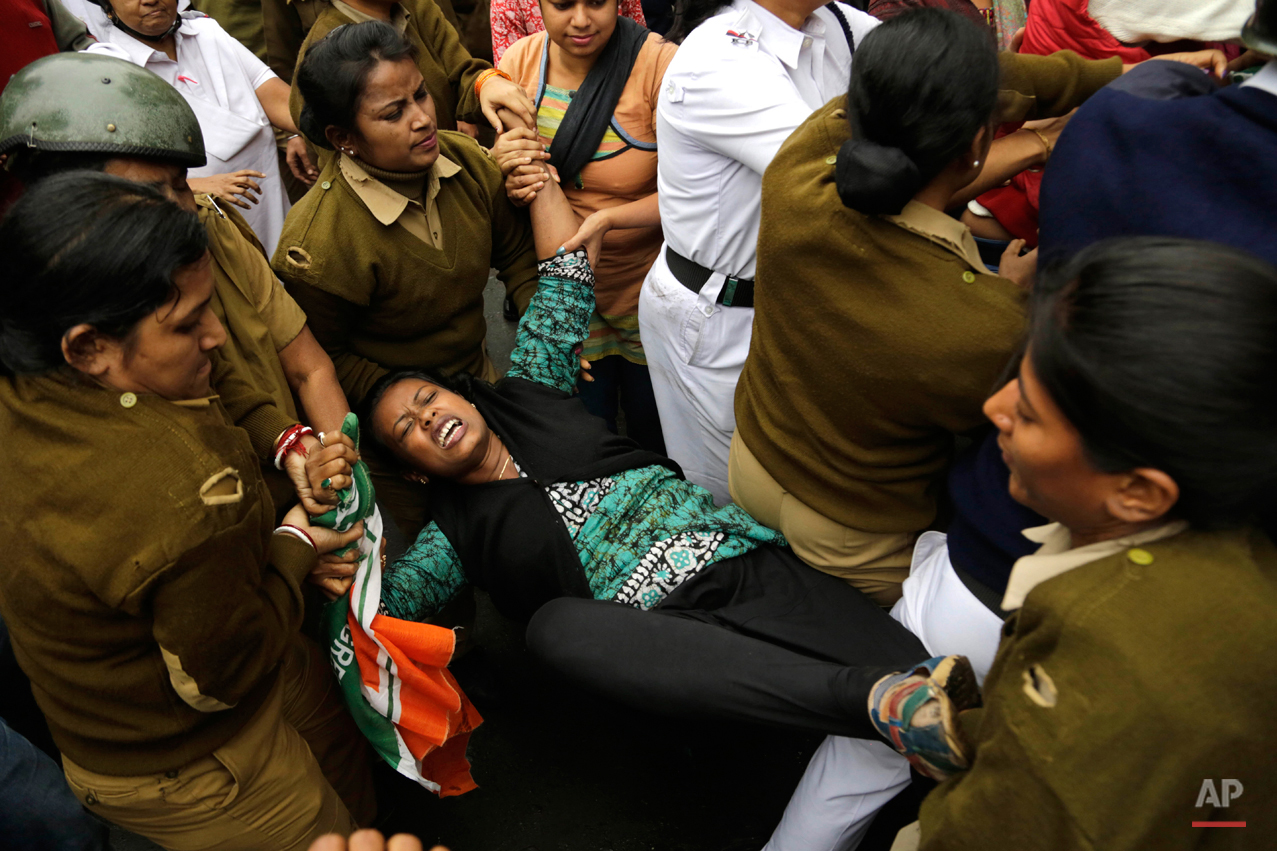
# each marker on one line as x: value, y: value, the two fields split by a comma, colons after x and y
x: 511, y: 541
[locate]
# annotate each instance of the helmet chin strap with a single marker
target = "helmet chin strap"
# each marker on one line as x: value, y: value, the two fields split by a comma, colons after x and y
x: 127, y: 30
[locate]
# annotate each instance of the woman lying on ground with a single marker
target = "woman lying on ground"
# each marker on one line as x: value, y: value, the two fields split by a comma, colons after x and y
x: 1138, y: 659
x: 534, y: 499
x: 149, y: 595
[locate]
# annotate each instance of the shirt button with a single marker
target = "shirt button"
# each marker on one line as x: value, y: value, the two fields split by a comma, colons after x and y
x: 325, y: 185
x: 1139, y: 556
x: 707, y: 310
x: 806, y: 42
x: 831, y: 159
x: 171, y: 773
x: 969, y: 277
x: 89, y: 800
x: 128, y: 400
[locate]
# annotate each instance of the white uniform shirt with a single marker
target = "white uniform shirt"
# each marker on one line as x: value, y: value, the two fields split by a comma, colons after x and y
x: 727, y: 104
x: 219, y: 78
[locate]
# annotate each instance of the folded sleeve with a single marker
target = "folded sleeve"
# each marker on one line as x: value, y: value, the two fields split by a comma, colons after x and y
x: 1048, y: 86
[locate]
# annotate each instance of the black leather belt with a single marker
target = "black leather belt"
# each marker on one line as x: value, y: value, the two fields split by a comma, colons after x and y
x: 736, y: 292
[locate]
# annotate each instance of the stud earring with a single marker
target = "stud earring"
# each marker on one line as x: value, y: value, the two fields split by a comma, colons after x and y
x: 975, y: 164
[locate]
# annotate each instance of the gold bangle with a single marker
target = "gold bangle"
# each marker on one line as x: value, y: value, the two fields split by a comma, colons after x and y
x: 488, y: 75
x: 1046, y: 143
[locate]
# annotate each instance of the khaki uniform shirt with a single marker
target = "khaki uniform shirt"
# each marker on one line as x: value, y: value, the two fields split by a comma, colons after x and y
x: 147, y: 598
x: 877, y: 338
x: 259, y: 315
x: 1121, y: 685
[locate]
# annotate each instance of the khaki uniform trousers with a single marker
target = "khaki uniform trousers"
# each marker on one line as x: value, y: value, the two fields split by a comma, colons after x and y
x: 876, y: 563
x: 270, y: 787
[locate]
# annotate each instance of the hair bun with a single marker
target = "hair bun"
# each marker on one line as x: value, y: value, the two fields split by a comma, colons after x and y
x: 872, y: 178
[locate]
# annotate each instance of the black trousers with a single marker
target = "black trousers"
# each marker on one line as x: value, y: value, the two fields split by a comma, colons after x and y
x: 761, y: 637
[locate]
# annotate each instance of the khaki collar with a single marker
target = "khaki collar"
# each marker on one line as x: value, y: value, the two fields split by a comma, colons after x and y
x: 1056, y: 556
x: 942, y: 229
x: 399, y: 16
x: 385, y: 204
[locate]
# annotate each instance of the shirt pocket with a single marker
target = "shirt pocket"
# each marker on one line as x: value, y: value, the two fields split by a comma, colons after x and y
x: 225, y: 133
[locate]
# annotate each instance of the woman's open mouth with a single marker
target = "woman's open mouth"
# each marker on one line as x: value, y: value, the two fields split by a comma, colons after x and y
x: 448, y: 432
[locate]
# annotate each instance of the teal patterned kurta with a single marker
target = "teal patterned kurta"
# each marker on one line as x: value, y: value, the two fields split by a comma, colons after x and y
x: 639, y: 533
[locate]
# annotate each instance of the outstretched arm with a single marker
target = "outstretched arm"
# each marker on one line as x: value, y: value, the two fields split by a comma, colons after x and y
x: 558, y: 319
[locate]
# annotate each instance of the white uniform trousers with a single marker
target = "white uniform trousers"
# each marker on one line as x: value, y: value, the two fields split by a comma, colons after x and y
x: 849, y: 780
x: 695, y: 351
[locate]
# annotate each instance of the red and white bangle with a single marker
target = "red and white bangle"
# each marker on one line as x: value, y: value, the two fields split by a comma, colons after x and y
x: 290, y: 441
x: 297, y: 532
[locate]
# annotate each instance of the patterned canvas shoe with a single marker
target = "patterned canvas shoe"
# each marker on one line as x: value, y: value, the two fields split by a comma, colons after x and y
x: 917, y: 712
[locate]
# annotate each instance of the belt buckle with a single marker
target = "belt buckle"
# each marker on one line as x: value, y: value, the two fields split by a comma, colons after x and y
x: 728, y: 292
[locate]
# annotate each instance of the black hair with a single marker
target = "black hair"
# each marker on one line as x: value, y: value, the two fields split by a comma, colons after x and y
x: 30, y: 165
x: 690, y: 14
x: 335, y: 71
x: 922, y: 86
x: 87, y: 248
x: 459, y: 383
x: 1161, y: 352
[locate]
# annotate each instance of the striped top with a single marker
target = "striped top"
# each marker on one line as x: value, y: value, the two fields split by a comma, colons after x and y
x: 554, y: 105
x: 622, y: 170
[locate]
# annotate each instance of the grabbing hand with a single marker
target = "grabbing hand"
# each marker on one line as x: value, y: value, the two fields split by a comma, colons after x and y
x: 326, y: 540
x: 590, y: 235
x: 1050, y: 129
x: 498, y: 93
x: 518, y: 147
x: 369, y: 840
x: 323, y: 471
x: 1021, y: 269
x: 525, y: 181
x: 299, y: 161
x: 1208, y: 60
x: 230, y: 187
x: 334, y: 574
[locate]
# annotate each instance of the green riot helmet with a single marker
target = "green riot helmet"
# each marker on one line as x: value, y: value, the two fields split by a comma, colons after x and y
x: 84, y: 103
x: 1260, y: 32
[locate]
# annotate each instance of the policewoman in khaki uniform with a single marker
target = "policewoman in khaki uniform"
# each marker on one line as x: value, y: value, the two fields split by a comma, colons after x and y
x: 1140, y: 633
x: 850, y: 397
x: 136, y: 126
x: 388, y: 253
x: 150, y: 597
